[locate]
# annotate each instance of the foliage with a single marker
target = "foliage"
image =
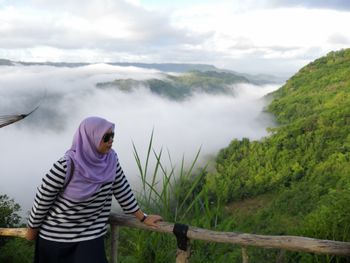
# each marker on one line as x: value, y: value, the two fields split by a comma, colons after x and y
x: 8, y: 212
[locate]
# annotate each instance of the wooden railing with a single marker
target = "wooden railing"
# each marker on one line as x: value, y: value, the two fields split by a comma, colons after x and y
x: 187, y: 233
x: 293, y: 243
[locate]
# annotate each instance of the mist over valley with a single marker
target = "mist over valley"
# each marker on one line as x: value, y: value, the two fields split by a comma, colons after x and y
x: 186, y: 110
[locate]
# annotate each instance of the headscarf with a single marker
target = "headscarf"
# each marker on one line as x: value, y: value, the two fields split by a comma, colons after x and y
x: 91, y: 168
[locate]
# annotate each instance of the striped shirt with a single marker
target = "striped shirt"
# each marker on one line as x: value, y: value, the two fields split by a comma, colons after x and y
x: 64, y: 220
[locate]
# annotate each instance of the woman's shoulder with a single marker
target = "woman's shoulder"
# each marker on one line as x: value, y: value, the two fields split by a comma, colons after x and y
x: 62, y: 160
x: 61, y: 164
x: 57, y: 174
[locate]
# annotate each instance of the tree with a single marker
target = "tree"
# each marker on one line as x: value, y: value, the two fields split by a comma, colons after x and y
x: 8, y: 212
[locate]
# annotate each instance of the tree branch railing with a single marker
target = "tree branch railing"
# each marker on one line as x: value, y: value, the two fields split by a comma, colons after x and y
x: 292, y: 243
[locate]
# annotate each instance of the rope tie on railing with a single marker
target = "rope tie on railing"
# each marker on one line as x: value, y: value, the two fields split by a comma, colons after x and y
x: 180, y: 231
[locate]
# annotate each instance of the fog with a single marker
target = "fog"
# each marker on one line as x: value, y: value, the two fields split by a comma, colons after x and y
x: 67, y: 95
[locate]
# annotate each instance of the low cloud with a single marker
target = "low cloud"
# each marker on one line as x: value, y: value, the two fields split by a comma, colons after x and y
x: 31, y: 146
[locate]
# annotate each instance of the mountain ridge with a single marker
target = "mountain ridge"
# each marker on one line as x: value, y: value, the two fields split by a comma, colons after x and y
x: 166, y: 67
x: 180, y: 87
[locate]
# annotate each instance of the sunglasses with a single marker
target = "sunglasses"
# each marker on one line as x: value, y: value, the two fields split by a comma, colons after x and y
x: 108, y: 136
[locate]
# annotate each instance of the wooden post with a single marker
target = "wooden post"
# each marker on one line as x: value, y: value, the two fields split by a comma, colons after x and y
x: 245, y: 257
x: 114, y: 243
x: 280, y: 256
x: 182, y: 256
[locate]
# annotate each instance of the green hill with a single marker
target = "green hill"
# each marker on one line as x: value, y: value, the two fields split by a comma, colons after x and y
x: 5, y: 62
x: 182, y: 86
x: 301, y: 172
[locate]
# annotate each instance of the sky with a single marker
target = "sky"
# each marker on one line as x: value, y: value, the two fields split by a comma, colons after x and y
x: 250, y: 36
x: 29, y: 147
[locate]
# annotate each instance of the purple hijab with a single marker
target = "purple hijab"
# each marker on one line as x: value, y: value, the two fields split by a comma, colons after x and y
x: 91, y: 168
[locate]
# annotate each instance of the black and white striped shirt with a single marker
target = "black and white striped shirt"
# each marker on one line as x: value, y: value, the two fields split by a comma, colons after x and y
x: 64, y: 220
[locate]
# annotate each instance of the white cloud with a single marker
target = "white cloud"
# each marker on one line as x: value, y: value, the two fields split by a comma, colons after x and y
x: 285, y: 33
x: 106, y: 25
x: 211, y: 32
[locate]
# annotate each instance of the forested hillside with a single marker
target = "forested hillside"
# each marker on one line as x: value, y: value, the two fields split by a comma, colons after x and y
x: 182, y: 86
x: 297, y: 180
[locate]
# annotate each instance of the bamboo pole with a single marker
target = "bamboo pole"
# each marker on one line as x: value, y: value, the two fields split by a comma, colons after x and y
x: 293, y: 243
x: 280, y: 256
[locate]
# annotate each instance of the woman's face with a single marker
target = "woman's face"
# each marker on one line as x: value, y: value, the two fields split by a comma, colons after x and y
x: 106, y: 142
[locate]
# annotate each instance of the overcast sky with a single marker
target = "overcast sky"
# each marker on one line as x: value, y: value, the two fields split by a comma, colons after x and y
x: 252, y: 36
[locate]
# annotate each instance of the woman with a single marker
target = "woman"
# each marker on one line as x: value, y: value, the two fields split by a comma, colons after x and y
x: 73, y: 203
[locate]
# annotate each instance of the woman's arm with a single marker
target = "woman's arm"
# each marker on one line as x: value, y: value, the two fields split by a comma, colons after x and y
x: 123, y: 193
x: 32, y: 233
x: 125, y: 197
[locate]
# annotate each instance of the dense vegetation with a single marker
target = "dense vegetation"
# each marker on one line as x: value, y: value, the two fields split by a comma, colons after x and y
x: 296, y: 181
x: 184, y: 85
x: 302, y: 170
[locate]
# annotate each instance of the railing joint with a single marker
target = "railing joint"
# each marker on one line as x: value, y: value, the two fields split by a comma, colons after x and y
x: 180, y: 231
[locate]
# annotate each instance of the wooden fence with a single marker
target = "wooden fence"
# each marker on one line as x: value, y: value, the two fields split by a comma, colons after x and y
x: 293, y: 243
x: 185, y: 233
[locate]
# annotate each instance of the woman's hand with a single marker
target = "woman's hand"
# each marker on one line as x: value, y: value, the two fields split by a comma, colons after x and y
x: 152, y: 220
x: 32, y: 234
